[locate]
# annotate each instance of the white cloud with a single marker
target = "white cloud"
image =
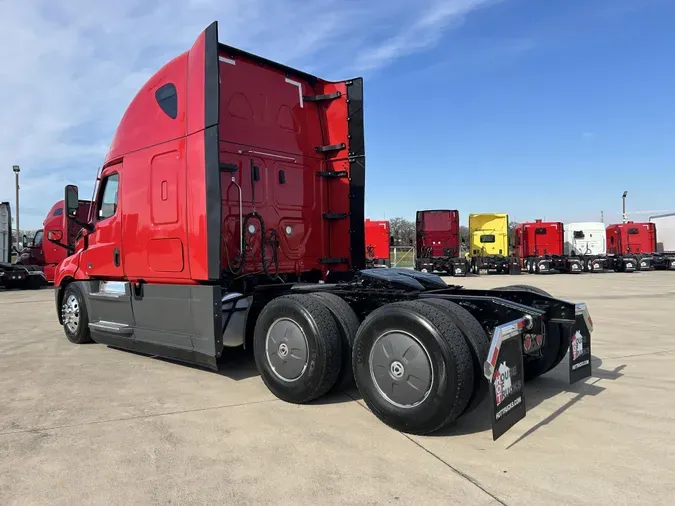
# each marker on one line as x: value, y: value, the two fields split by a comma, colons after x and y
x: 69, y: 69
x: 420, y: 33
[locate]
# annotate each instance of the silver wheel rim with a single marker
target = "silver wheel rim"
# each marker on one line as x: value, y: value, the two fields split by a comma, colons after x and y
x: 286, y: 349
x: 70, y: 313
x: 400, y: 368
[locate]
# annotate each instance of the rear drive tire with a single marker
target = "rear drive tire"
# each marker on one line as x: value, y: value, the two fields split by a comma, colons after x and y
x: 297, y: 348
x: 413, y: 367
x: 555, y: 346
x: 477, y: 340
x: 348, y: 325
x: 74, y: 315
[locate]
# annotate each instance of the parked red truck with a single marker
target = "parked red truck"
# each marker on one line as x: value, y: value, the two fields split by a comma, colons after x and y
x: 639, y: 240
x: 230, y: 213
x: 438, y: 242
x: 378, y: 238
x: 48, y: 254
x: 540, y: 248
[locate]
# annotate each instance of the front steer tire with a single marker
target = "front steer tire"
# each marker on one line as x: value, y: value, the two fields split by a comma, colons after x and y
x: 74, y: 315
x: 555, y: 345
x: 413, y: 367
x: 297, y: 348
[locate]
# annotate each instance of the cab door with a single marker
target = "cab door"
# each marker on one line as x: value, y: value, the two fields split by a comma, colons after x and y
x: 37, y: 249
x: 103, y: 256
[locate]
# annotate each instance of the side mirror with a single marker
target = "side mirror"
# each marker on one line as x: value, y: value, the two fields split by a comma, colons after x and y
x: 24, y: 241
x: 55, y: 235
x: 72, y: 200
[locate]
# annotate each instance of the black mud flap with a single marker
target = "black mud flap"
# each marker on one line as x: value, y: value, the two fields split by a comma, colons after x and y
x: 514, y: 268
x: 506, y: 388
x: 630, y: 264
x: 580, y: 345
x: 504, y: 372
x: 458, y: 269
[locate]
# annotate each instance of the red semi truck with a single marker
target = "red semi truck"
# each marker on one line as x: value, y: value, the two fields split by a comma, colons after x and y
x: 438, y: 242
x: 378, y: 239
x: 540, y: 248
x: 639, y: 240
x: 230, y: 214
x: 47, y: 255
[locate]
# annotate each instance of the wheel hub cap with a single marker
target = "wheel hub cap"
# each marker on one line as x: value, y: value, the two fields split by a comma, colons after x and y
x: 70, y: 313
x: 400, y: 368
x: 397, y: 369
x: 286, y: 349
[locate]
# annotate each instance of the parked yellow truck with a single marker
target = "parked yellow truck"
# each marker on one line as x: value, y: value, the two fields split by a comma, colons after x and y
x: 489, y: 244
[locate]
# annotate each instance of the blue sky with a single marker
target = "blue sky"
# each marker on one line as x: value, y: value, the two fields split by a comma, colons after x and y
x: 536, y: 108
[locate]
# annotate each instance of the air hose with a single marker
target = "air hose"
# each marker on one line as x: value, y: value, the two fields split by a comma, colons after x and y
x: 236, y: 268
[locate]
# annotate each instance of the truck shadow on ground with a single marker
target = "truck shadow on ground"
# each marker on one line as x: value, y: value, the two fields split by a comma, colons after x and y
x: 536, y: 392
x: 236, y: 364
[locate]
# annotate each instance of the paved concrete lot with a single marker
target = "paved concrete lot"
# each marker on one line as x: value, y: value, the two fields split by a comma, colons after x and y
x: 89, y: 424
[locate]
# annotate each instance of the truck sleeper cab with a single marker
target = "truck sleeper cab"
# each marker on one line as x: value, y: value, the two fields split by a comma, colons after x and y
x: 638, y: 240
x: 587, y: 242
x: 540, y: 246
x: 47, y: 249
x: 438, y: 242
x: 230, y: 214
x: 489, y: 245
x: 378, y: 239
x: 664, y: 256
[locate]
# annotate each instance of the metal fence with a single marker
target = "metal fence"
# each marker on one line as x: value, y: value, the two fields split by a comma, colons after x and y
x: 402, y: 256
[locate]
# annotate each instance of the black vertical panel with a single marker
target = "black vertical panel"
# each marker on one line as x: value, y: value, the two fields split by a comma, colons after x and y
x: 211, y: 155
x: 506, y: 388
x: 357, y: 173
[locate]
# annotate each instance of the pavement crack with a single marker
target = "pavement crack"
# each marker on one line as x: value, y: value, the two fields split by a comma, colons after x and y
x: 467, y: 477
x: 38, y: 430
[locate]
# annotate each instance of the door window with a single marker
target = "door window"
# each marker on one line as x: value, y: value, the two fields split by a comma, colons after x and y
x: 37, y: 240
x: 107, y: 205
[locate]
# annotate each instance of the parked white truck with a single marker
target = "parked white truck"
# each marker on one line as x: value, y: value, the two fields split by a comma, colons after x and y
x: 665, y: 232
x: 587, y: 240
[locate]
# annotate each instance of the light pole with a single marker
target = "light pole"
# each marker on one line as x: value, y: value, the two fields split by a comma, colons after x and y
x: 16, y: 170
x: 625, y: 216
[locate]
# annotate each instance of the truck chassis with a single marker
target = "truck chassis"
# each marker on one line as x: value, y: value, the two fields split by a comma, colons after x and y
x: 494, y: 264
x: 616, y: 263
x: 552, y: 264
x: 21, y: 276
x: 457, y: 267
x: 443, y: 347
x: 657, y: 261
